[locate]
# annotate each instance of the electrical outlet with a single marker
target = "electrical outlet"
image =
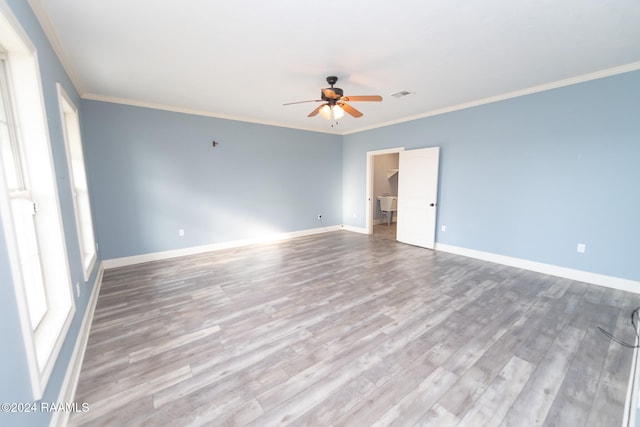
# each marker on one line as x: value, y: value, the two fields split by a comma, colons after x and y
x: 581, y: 248
x: 181, y: 232
x: 319, y: 216
x: 443, y: 227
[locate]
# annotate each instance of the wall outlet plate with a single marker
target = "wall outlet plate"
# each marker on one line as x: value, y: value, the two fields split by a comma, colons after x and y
x: 581, y: 248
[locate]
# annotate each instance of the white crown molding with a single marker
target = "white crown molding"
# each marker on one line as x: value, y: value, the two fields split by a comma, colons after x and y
x: 45, y: 22
x: 49, y: 30
x: 175, y: 109
x: 634, y: 66
x: 553, y: 270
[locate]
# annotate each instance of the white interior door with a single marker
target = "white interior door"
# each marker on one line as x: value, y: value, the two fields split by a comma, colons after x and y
x: 417, y: 196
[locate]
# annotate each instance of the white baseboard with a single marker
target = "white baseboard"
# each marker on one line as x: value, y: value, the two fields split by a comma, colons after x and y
x: 353, y: 229
x: 631, y: 402
x: 157, y: 256
x: 553, y: 270
x: 72, y: 376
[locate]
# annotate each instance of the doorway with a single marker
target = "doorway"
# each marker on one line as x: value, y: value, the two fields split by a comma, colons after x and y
x: 416, y: 186
x: 382, y: 179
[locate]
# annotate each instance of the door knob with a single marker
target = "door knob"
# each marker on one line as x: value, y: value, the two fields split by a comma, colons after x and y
x: 432, y: 204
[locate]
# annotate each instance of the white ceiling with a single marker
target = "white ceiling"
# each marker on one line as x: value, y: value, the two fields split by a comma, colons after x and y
x: 243, y: 59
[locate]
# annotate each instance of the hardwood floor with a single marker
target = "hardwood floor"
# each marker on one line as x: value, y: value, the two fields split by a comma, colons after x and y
x: 384, y: 231
x: 351, y: 330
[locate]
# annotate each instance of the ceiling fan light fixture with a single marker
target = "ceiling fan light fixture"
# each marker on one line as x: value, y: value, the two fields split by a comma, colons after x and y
x: 325, y: 111
x: 338, y: 112
x: 331, y: 112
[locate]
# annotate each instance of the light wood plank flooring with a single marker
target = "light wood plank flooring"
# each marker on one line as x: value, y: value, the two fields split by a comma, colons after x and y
x: 384, y: 231
x: 346, y: 329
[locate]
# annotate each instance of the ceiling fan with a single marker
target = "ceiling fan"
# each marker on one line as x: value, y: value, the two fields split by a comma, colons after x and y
x: 335, y: 103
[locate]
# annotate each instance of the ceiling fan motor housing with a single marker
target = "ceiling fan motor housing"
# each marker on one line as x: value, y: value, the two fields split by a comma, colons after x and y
x: 338, y: 94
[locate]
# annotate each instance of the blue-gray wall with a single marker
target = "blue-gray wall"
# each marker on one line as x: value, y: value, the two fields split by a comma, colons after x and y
x: 14, y: 376
x: 154, y: 172
x: 530, y: 177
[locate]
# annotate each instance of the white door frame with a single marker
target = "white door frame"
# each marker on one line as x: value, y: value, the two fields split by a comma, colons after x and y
x: 369, y: 198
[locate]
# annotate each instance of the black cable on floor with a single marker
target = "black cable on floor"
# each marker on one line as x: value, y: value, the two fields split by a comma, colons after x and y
x: 634, y: 319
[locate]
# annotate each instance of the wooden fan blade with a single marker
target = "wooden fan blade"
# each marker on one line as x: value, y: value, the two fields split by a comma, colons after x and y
x: 349, y: 109
x: 372, y: 98
x: 316, y: 111
x: 302, y: 102
x: 330, y: 93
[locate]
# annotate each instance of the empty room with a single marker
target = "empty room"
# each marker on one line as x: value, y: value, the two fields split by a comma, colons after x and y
x: 331, y: 213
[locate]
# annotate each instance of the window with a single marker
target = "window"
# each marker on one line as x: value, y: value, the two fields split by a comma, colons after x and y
x: 23, y: 209
x: 78, y: 180
x: 29, y: 207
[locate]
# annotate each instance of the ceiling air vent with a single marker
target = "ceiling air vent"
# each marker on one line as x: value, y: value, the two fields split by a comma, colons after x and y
x: 401, y: 94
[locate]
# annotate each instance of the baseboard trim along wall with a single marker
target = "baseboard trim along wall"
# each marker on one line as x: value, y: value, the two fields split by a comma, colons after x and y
x: 553, y: 270
x: 354, y: 229
x: 158, y: 256
x: 72, y: 376
x: 631, y: 402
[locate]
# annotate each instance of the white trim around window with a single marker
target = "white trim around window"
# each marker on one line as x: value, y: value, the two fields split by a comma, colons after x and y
x: 78, y: 181
x: 22, y: 94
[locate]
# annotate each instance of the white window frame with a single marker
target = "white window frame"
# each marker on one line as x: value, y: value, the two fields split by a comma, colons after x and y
x: 42, y: 343
x: 78, y: 181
